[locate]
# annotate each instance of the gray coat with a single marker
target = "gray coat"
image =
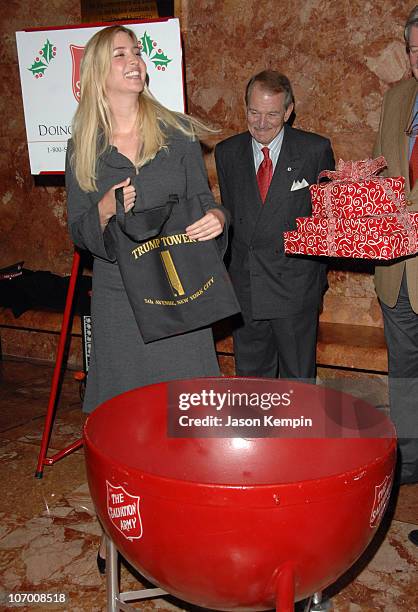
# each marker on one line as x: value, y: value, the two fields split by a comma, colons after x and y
x: 120, y: 360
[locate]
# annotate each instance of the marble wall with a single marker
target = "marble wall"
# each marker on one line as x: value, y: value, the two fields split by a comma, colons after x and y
x: 340, y: 56
x: 32, y: 217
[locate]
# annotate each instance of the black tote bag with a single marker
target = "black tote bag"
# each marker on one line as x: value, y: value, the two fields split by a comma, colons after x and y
x: 174, y: 284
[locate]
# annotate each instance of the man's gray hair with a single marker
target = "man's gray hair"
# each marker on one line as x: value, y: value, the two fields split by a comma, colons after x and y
x: 273, y: 82
x: 411, y: 22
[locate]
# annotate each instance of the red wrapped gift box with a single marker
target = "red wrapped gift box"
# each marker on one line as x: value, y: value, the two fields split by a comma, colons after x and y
x: 359, y: 198
x: 365, y: 245
x: 356, y: 215
x: 374, y: 224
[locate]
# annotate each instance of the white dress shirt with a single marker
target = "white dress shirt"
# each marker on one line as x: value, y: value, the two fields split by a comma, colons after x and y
x: 275, y: 147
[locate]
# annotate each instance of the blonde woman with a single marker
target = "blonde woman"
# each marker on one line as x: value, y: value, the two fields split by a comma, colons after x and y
x: 122, y: 137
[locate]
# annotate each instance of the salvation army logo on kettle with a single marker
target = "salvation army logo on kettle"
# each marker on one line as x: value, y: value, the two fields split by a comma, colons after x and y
x: 381, y: 499
x: 123, y: 511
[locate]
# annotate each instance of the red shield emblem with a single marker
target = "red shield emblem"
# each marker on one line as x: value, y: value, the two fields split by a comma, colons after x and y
x: 123, y: 510
x: 76, y: 55
x: 381, y: 498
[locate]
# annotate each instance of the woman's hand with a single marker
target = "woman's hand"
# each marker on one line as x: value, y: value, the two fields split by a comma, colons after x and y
x: 107, y: 205
x: 208, y: 227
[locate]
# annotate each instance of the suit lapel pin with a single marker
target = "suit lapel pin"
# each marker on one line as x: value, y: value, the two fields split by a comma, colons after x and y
x: 289, y: 169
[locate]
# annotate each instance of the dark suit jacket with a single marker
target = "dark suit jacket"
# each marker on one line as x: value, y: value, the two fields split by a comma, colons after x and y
x: 268, y: 283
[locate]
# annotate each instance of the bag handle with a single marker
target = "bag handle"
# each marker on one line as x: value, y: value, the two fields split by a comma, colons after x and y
x: 144, y: 224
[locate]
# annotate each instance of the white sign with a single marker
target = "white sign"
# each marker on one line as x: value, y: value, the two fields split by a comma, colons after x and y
x: 49, y: 65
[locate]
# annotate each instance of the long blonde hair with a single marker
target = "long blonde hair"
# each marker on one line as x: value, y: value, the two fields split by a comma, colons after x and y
x: 93, y: 116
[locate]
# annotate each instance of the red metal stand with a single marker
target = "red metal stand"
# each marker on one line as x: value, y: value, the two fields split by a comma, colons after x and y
x: 50, y: 414
x: 285, y: 595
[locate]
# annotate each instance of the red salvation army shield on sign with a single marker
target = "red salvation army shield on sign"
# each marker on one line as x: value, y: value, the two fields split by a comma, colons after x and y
x: 123, y: 510
x: 76, y: 55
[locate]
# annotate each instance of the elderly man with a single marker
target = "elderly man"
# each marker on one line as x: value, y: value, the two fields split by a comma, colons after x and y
x: 264, y: 174
x: 397, y: 283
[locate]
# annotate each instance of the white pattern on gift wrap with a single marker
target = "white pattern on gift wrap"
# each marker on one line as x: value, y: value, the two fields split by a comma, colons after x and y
x: 350, y: 223
x: 368, y: 197
x: 364, y: 245
x: 404, y: 216
x: 372, y: 223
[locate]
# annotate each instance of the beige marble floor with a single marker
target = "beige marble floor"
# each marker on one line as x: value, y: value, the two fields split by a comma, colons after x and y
x: 49, y: 534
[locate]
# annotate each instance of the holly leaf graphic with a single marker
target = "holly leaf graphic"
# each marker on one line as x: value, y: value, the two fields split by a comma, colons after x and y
x: 47, y: 51
x: 38, y: 68
x: 147, y: 45
x: 160, y: 59
x: 41, y: 62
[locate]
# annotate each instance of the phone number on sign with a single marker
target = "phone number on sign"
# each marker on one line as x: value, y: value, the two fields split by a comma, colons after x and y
x: 57, y: 149
x: 35, y: 598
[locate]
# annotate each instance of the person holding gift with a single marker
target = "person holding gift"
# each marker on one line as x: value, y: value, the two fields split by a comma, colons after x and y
x: 264, y: 175
x: 397, y: 283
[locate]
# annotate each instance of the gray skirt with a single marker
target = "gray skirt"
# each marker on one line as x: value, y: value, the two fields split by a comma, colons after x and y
x: 120, y: 361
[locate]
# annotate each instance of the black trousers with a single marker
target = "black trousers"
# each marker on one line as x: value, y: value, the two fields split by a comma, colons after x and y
x: 284, y: 347
x: 401, y: 333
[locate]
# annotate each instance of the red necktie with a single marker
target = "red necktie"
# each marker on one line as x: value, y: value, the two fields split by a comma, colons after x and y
x: 264, y: 173
x: 413, y: 164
